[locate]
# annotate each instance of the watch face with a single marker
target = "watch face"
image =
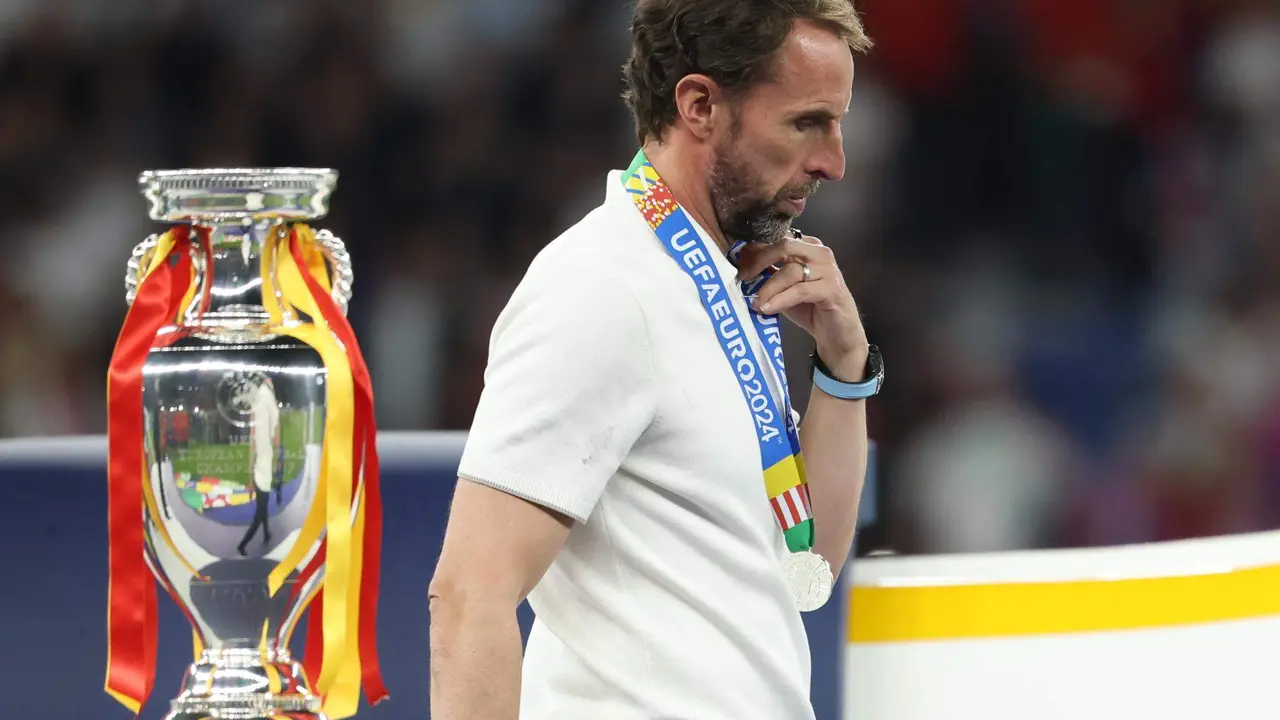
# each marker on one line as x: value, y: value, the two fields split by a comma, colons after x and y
x: 875, y: 364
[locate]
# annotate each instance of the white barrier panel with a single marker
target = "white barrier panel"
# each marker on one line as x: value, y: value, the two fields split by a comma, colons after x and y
x: 1184, y: 630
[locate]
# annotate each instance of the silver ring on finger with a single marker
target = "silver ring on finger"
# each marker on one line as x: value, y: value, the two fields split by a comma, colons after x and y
x: 804, y: 268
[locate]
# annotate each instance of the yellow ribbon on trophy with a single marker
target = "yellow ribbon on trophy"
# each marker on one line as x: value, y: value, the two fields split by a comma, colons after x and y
x: 338, y: 509
x: 356, y: 669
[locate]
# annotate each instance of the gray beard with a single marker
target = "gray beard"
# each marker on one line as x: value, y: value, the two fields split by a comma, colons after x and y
x: 752, y: 222
x: 741, y: 216
x: 769, y: 229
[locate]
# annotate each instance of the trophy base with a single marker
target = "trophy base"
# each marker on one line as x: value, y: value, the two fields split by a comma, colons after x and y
x: 234, y: 684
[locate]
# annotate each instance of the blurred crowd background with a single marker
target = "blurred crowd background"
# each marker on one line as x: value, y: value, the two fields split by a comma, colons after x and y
x: 1061, y: 219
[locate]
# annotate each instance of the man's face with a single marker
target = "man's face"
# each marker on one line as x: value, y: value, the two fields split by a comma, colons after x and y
x: 784, y: 138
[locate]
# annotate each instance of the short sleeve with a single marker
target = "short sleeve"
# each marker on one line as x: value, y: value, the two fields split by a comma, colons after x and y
x: 568, y: 389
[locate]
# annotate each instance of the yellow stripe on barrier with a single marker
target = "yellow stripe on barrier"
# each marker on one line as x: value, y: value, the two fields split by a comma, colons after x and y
x: 948, y: 612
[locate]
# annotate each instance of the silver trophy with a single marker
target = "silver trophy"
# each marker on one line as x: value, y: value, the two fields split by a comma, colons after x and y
x: 233, y: 425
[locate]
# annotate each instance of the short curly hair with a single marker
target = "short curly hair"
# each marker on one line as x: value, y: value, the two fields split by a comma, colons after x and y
x: 734, y: 42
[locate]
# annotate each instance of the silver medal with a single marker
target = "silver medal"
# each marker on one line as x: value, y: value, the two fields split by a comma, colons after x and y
x: 810, y: 579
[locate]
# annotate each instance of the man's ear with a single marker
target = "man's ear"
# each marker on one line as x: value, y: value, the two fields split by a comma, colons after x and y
x: 701, y: 104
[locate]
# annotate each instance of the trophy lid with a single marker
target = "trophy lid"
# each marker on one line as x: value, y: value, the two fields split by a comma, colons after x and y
x: 221, y: 194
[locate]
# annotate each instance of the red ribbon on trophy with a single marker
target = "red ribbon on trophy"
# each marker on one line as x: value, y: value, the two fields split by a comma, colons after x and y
x: 131, y: 603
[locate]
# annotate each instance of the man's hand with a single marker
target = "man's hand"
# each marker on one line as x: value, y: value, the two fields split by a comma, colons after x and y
x: 834, y: 431
x: 821, y: 305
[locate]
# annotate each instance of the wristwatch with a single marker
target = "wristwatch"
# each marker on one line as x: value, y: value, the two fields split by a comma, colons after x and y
x: 835, y: 387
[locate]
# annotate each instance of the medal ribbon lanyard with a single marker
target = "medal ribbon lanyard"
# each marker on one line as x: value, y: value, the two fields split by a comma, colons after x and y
x: 780, y: 457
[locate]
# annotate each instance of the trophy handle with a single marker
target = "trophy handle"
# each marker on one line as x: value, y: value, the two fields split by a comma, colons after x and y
x: 138, y: 260
x: 335, y: 251
x: 340, y: 260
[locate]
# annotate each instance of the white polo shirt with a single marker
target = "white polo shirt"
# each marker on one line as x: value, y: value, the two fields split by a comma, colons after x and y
x: 608, y: 398
x: 265, y: 411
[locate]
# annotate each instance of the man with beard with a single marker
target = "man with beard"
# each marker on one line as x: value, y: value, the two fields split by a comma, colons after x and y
x: 634, y: 467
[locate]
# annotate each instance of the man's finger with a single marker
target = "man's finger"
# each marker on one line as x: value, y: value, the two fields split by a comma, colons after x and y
x: 789, y: 275
x: 755, y: 258
x: 796, y: 294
